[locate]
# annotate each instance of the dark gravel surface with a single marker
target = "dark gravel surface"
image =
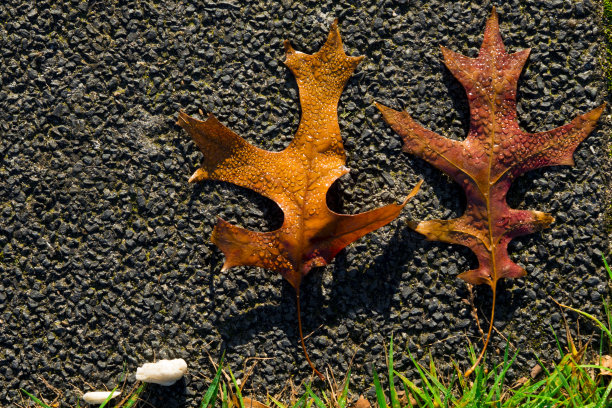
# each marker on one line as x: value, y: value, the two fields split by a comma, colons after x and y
x: 105, y: 256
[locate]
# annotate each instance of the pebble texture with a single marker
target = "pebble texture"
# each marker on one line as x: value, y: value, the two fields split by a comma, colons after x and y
x: 105, y: 255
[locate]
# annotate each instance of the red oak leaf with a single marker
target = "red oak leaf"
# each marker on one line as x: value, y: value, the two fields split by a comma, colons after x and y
x: 494, y: 153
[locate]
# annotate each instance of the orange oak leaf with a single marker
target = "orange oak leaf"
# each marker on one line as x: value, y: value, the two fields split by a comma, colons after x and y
x: 494, y: 153
x: 297, y: 178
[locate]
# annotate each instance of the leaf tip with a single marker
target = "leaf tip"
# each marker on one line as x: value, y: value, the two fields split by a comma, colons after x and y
x: 596, y: 113
x: 542, y: 220
x: 198, y: 175
x: 356, y: 60
x: 379, y: 106
x: 288, y: 47
x: 444, y: 50
x: 492, y: 38
x: 386, y: 111
x: 493, y: 17
x: 413, y: 225
x: 413, y: 192
x: 334, y: 40
x: 334, y: 25
x: 182, y: 118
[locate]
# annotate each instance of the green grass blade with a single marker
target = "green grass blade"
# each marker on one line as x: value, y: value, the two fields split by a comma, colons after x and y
x: 317, y: 400
x: 238, y: 393
x: 571, y: 394
x: 531, y: 388
x: 278, y: 403
x: 344, y: 394
x: 36, y: 400
x: 425, y: 379
x: 499, y: 377
x: 299, y: 403
x: 380, y: 396
x: 585, y: 376
x: 604, y: 397
x: 609, y: 317
x: 607, y: 267
x: 448, y: 394
x: 210, y: 397
x: 557, y: 341
x: 415, y: 390
x: 407, y: 393
x: 542, y: 365
x: 593, y: 318
x: 110, y: 397
x: 224, y: 397
x: 479, y: 384
x: 437, y: 388
x: 432, y: 368
x: 459, y: 375
x: 497, y: 388
x: 547, y: 402
x: 327, y: 401
x: 394, y: 400
x: 134, y: 397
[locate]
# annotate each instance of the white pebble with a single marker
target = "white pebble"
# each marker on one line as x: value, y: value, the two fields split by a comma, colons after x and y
x: 164, y: 372
x: 98, y: 397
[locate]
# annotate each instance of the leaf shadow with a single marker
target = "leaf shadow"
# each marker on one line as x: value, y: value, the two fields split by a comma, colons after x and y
x: 242, y: 328
x: 383, y: 275
x: 174, y: 396
x: 256, y: 212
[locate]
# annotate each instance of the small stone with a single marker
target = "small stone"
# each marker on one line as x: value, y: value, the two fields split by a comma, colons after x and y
x: 164, y: 372
x: 98, y: 397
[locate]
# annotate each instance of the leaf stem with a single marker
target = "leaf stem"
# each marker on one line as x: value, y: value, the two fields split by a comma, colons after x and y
x: 299, y: 316
x: 486, y: 343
